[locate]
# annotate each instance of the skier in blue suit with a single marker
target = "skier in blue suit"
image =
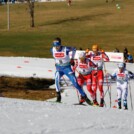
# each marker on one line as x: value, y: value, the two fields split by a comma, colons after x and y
x: 63, y: 67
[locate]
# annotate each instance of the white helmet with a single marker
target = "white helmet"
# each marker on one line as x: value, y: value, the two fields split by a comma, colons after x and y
x: 121, y: 65
x: 82, y: 55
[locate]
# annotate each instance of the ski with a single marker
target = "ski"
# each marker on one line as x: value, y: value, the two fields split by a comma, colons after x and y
x: 86, y: 105
x: 55, y: 102
x: 95, y: 105
x: 80, y: 104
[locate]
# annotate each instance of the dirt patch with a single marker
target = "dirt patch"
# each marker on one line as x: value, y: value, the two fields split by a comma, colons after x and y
x: 26, y: 88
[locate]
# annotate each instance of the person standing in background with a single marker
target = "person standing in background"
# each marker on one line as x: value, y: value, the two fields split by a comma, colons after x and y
x: 129, y: 58
x: 69, y: 2
x: 125, y: 54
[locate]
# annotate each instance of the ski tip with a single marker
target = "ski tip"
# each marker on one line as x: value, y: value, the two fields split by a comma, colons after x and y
x: 54, y: 102
x: 95, y: 105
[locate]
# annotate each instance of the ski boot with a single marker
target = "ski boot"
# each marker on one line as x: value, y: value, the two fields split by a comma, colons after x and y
x: 95, y: 103
x: 58, y: 97
x: 125, y: 104
x: 82, y: 100
x: 88, y: 101
x: 102, y: 102
x: 119, y: 103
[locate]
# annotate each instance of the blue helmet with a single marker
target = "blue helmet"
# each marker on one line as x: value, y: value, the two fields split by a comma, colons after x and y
x: 56, y: 43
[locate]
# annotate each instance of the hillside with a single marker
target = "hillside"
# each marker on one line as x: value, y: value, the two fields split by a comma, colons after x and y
x: 19, y: 116
x: 84, y: 23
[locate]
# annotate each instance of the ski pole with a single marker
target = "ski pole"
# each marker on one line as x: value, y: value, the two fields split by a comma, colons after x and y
x: 79, y: 74
x: 106, y: 92
x: 65, y: 81
x: 131, y: 100
x: 73, y: 87
x: 108, y: 86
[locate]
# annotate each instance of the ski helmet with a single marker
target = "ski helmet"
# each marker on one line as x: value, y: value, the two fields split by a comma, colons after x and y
x: 121, y: 65
x: 95, y: 47
x: 82, y: 55
x: 56, y: 43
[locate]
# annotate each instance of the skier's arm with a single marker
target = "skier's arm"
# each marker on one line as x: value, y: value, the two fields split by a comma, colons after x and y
x: 92, y: 64
x: 113, y: 76
x: 131, y: 74
x: 73, y: 50
x: 128, y: 75
x: 88, y: 55
x: 69, y: 49
x: 75, y: 65
x: 104, y: 56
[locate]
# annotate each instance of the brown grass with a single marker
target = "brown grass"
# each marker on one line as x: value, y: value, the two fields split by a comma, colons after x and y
x: 30, y: 88
x: 28, y: 94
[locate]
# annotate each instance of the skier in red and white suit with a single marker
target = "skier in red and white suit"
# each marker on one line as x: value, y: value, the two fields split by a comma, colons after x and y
x: 98, y: 58
x: 83, y: 67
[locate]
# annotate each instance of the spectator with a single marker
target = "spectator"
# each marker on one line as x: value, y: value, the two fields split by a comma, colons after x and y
x: 69, y: 2
x: 80, y: 48
x: 125, y: 54
x: 116, y: 50
x: 130, y: 58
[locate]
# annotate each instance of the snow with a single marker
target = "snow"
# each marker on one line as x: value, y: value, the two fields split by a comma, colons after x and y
x: 27, y: 67
x: 19, y: 116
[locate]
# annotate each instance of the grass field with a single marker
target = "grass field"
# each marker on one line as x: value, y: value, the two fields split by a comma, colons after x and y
x: 85, y: 23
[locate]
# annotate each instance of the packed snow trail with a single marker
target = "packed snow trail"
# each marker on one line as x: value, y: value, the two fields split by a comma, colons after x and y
x: 18, y: 116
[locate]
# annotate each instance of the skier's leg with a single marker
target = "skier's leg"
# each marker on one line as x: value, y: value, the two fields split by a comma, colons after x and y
x: 124, y: 97
x: 119, y: 96
x: 100, y: 85
x: 68, y: 71
x: 57, y: 84
x: 89, y: 86
x: 80, y: 81
x: 94, y: 83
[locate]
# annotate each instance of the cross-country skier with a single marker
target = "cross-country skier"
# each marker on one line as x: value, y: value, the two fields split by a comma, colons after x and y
x: 122, y: 76
x: 98, y: 58
x: 83, y: 67
x: 63, y: 67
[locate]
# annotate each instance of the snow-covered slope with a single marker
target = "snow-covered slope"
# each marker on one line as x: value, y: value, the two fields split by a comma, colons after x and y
x: 37, y: 117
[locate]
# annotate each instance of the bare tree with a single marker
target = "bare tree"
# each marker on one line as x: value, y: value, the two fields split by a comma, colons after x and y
x: 31, y: 11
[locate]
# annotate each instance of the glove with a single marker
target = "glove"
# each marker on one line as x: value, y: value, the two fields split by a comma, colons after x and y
x: 95, y: 74
x: 72, y: 62
x: 107, y: 75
